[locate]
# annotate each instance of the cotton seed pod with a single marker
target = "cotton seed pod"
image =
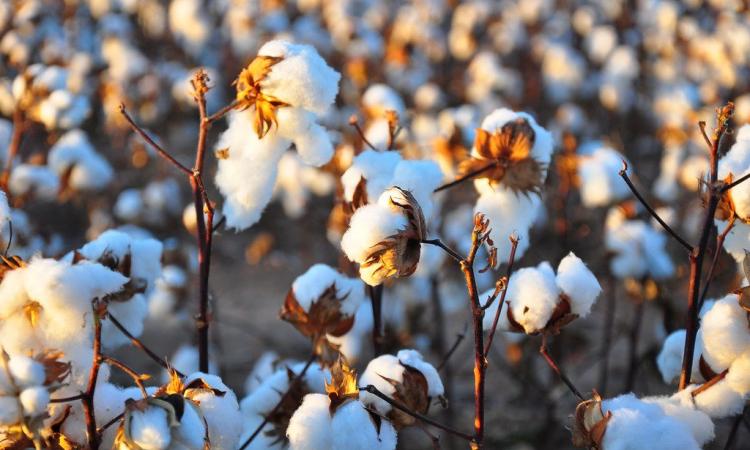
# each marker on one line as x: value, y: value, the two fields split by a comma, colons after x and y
x: 162, y: 422
x: 590, y: 423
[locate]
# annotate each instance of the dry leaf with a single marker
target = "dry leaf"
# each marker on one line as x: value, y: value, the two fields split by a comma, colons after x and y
x: 250, y: 94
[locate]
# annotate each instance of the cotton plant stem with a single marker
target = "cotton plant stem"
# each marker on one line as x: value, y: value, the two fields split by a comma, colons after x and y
x: 376, y: 300
x: 374, y: 391
x: 707, y: 385
x: 297, y: 379
x: 87, y: 401
x: 719, y: 244
x: 446, y: 358
x: 467, y: 176
x: 501, y: 301
x: 609, y: 319
x: 139, y: 344
x: 555, y: 368
x: 697, y: 254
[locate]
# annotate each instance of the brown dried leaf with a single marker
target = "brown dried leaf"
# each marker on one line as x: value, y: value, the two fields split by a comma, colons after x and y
x: 343, y: 385
x: 412, y: 392
x: 590, y: 423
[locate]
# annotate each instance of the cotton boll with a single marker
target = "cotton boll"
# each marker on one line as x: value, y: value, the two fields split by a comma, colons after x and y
x: 26, y: 372
x: 191, y: 433
x: 354, y: 429
x: 601, y: 183
x: 310, y: 286
x: 10, y: 411
x: 719, y: 401
x: 532, y: 296
x: 310, y: 426
x: 543, y: 143
x: 263, y: 367
x: 669, y: 360
x: 39, y: 180
x: 578, y: 283
x: 725, y: 332
x: 221, y: 412
x: 378, y: 370
x: 420, y: 178
x: 369, y: 225
x: 413, y: 358
x: 34, y: 400
x: 128, y: 205
x: 88, y: 169
x: 379, y: 98
x: 149, y: 429
x: 681, y: 407
x: 302, y: 78
x: 376, y: 168
x: 311, y: 140
x: 738, y: 377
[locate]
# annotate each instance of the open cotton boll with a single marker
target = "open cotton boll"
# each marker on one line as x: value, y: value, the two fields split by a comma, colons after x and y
x: 601, y: 183
x: 379, y: 98
x: 738, y: 377
x: 532, y: 297
x: 578, y: 283
x: 311, y: 285
x: 354, y: 429
x: 247, y: 176
x: 543, y: 143
x: 413, y: 358
x: 34, y: 400
x: 637, y: 425
x: 680, y: 406
x: 421, y: 178
x: 149, y: 428
x: 725, y: 332
x: 369, y: 225
x: 302, y: 78
x: 221, y: 412
x: 378, y: 369
x: 39, y: 180
x: 264, y: 367
x: 74, y: 154
x: 310, y: 426
x: 10, y: 411
x: 26, y: 372
x: 376, y: 168
x: 719, y: 401
x: 669, y: 360
x: 311, y: 140
x: 736, y: 240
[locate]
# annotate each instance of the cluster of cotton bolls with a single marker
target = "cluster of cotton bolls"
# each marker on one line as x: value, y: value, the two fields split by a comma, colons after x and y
x: 23, y: 390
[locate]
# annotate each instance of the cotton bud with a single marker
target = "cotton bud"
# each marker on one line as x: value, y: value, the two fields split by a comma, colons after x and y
x: 385, y: 238
x: 323, y: 302
x: 34, y: 400
x: 406, y: 378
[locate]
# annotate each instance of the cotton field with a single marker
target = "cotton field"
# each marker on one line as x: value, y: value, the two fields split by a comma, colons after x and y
x: 374, y: 224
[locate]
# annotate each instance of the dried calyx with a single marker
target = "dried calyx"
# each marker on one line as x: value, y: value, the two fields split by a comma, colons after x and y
x: 250, y: 93
x: 590, y: 423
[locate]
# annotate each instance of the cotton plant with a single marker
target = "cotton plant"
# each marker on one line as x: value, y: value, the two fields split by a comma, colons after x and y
x: 280, y: 97
x: 339, y: 420
x: 734, y: 210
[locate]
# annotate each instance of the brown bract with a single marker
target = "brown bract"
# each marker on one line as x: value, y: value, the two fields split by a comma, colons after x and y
x: 343, y: 385
x: 398, y: 255
x: 504, y: 156
x: 590, y: 423
x: 289, y: 403
x: 250, y: 94
x: 323, y: 318
x: 412, y: 392
x: 560, y: 317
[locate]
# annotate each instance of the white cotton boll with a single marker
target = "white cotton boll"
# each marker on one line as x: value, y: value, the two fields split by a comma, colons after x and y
x: 600, y: 42
x: 149, y: 429
x: 221, y: 412
x: 368, y: 226
x: 601, y: 183
x: 725, y: 332
x: 719, y: 401
x: 636, y: 425
x: 247, y: 177
x: 354, y: 429
x: 681, y: 407
x: 737, y: 239
x: 578, y: 283
x: 39, y: 180
x: 508, y: 214
x: 310, y: 426
x: 263, y: 367
x: 413, y: 358
x: 532, y: 296
x: 128, y: 205
x: 88, y: 169
x: 379, y: 98
x: 310, y: 286
x: 314, y: 145
x: 421, y: 178
x: 190, y: 435
x: 376, y: 168
x: 543, y: 143
x: 378, y: 369
x: 189, y: 24
x: 34, y: 400
x: 10, y: 411
x: 26, y: 372
x: 669, y: 360
x: 738, y: 377
x: 302, y: 78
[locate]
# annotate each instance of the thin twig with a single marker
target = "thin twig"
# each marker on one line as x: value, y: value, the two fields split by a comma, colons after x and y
x: 511, y: 259
x: 437, y: 242
x: 459, y: 338
x: 374, y: 391
x: 376, y: 301
x: 111, y: 422
x: 68, y: 399
x: 222, y: 112
x: 466, y: 176
x: 87, y: 400
x: 163, y: 153
x: 736, y: 182
x: 707, y: 385
x: 137, y: 379
x: 292, y: 384
x: 609, y: 318
x: 354, y: 121
x: 624, y: 175
x: 555, y: 368
x: 139, y: 344
x: 719, y: 244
